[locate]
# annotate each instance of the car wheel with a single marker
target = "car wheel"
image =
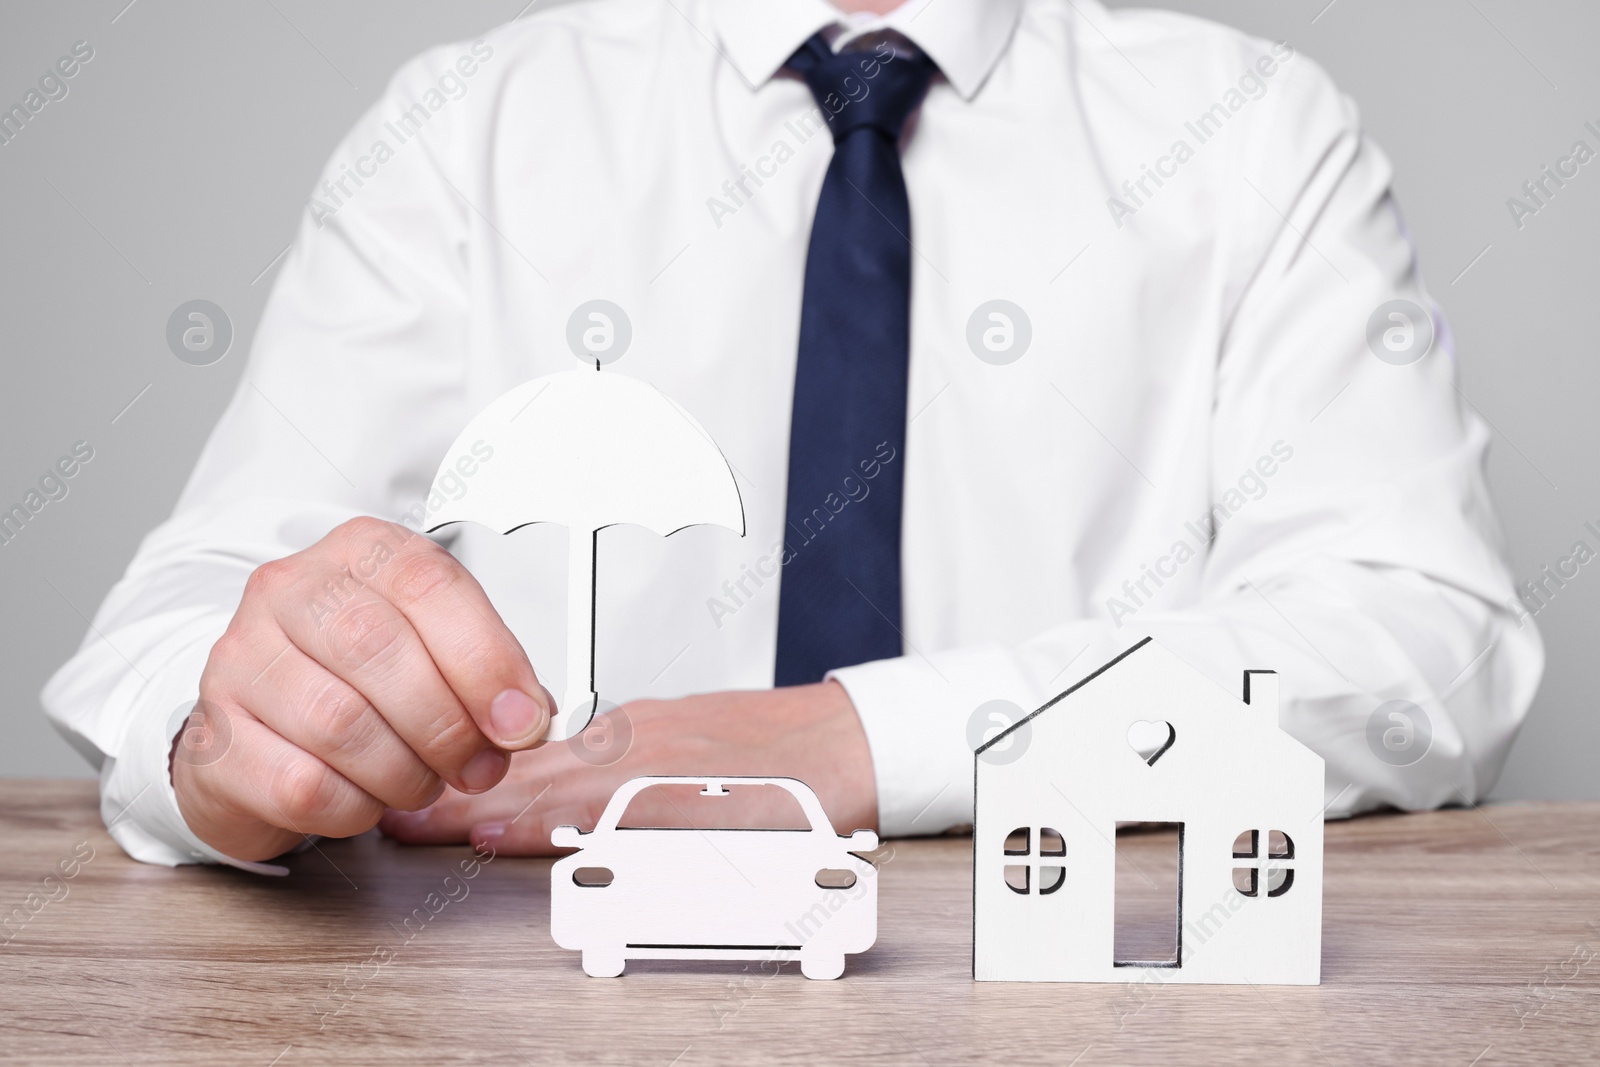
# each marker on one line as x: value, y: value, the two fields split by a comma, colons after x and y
x: 602, y: 964
x: 822, y: 967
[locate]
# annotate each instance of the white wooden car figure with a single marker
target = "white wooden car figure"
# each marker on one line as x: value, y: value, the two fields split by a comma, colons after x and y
x: 692, y: 894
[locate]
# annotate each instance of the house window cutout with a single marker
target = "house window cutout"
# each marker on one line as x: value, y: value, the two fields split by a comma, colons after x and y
x: 1148, y: 906
x: 1150, y: 740
x: 1272, y: 868
x: 1019, y: 876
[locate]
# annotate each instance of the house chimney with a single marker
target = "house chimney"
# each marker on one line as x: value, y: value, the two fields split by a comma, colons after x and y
x: 1261, y: 693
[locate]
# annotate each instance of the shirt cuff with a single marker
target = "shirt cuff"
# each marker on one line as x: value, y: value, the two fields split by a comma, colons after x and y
x: 917, y: 713
x: 137, y: 801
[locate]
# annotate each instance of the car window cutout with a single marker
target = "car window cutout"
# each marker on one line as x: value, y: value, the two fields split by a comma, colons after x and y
x: 704, y: 808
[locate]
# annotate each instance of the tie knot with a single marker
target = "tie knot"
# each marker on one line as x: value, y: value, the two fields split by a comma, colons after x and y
x: 874, y: 88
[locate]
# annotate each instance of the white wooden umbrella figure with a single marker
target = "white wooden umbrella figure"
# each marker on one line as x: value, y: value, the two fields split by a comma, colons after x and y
x: 587, y: 449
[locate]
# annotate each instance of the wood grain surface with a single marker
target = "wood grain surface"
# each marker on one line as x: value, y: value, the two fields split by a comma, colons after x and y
x: 1466, y: 937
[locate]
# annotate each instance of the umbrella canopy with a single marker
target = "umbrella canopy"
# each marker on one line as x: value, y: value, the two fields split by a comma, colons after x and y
x: 587, y: 449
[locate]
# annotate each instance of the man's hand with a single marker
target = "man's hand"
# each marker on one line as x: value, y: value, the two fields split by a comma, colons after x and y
x: 364, y: 673
x: 809, y: 732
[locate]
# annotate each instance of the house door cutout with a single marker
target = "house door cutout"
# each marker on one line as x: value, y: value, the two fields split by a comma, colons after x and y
x: 1148, y: 928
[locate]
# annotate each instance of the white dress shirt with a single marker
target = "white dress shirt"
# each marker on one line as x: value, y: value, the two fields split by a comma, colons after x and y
x: 1198, y: 319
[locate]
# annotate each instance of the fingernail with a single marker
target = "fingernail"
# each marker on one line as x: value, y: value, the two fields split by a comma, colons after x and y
x: 484, y: 770
x: 515, y: 716
x: 488, y: 833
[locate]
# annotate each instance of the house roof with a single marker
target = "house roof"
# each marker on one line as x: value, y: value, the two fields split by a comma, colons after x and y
x: 1053, y: 701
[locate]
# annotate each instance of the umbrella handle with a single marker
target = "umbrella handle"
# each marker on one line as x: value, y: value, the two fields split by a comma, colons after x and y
x: 578, y: 703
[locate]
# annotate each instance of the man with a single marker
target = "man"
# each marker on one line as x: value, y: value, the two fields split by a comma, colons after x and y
x: 1029, y: 329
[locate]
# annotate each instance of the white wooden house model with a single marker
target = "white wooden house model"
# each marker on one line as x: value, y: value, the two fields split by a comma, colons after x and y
x: 1149, y: 739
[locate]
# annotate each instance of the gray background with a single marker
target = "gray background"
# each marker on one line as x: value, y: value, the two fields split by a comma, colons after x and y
x: 178, y: 164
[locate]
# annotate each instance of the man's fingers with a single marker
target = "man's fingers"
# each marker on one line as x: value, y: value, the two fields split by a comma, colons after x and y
x: 519, y: 812
x: 267, y: 778
x: 529, y: 835
x: 449, y: 819
x: 424, y: 827
x: 356, y: 634
x: 320, y: 712
x: 478, y: 656
x: 524, y: 831
x: 195, y: 777
x: 368, y: 670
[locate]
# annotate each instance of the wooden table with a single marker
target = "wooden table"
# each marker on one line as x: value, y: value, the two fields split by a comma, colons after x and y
x: 1456, y: 938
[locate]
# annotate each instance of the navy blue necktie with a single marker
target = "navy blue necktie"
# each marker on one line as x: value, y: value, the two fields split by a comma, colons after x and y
x: 839, y: 600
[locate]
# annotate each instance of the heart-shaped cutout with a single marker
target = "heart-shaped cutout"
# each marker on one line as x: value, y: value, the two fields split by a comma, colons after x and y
x: 1151, y: 739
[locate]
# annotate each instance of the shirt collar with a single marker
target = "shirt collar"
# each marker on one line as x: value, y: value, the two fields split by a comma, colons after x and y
x: 964, y: 37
